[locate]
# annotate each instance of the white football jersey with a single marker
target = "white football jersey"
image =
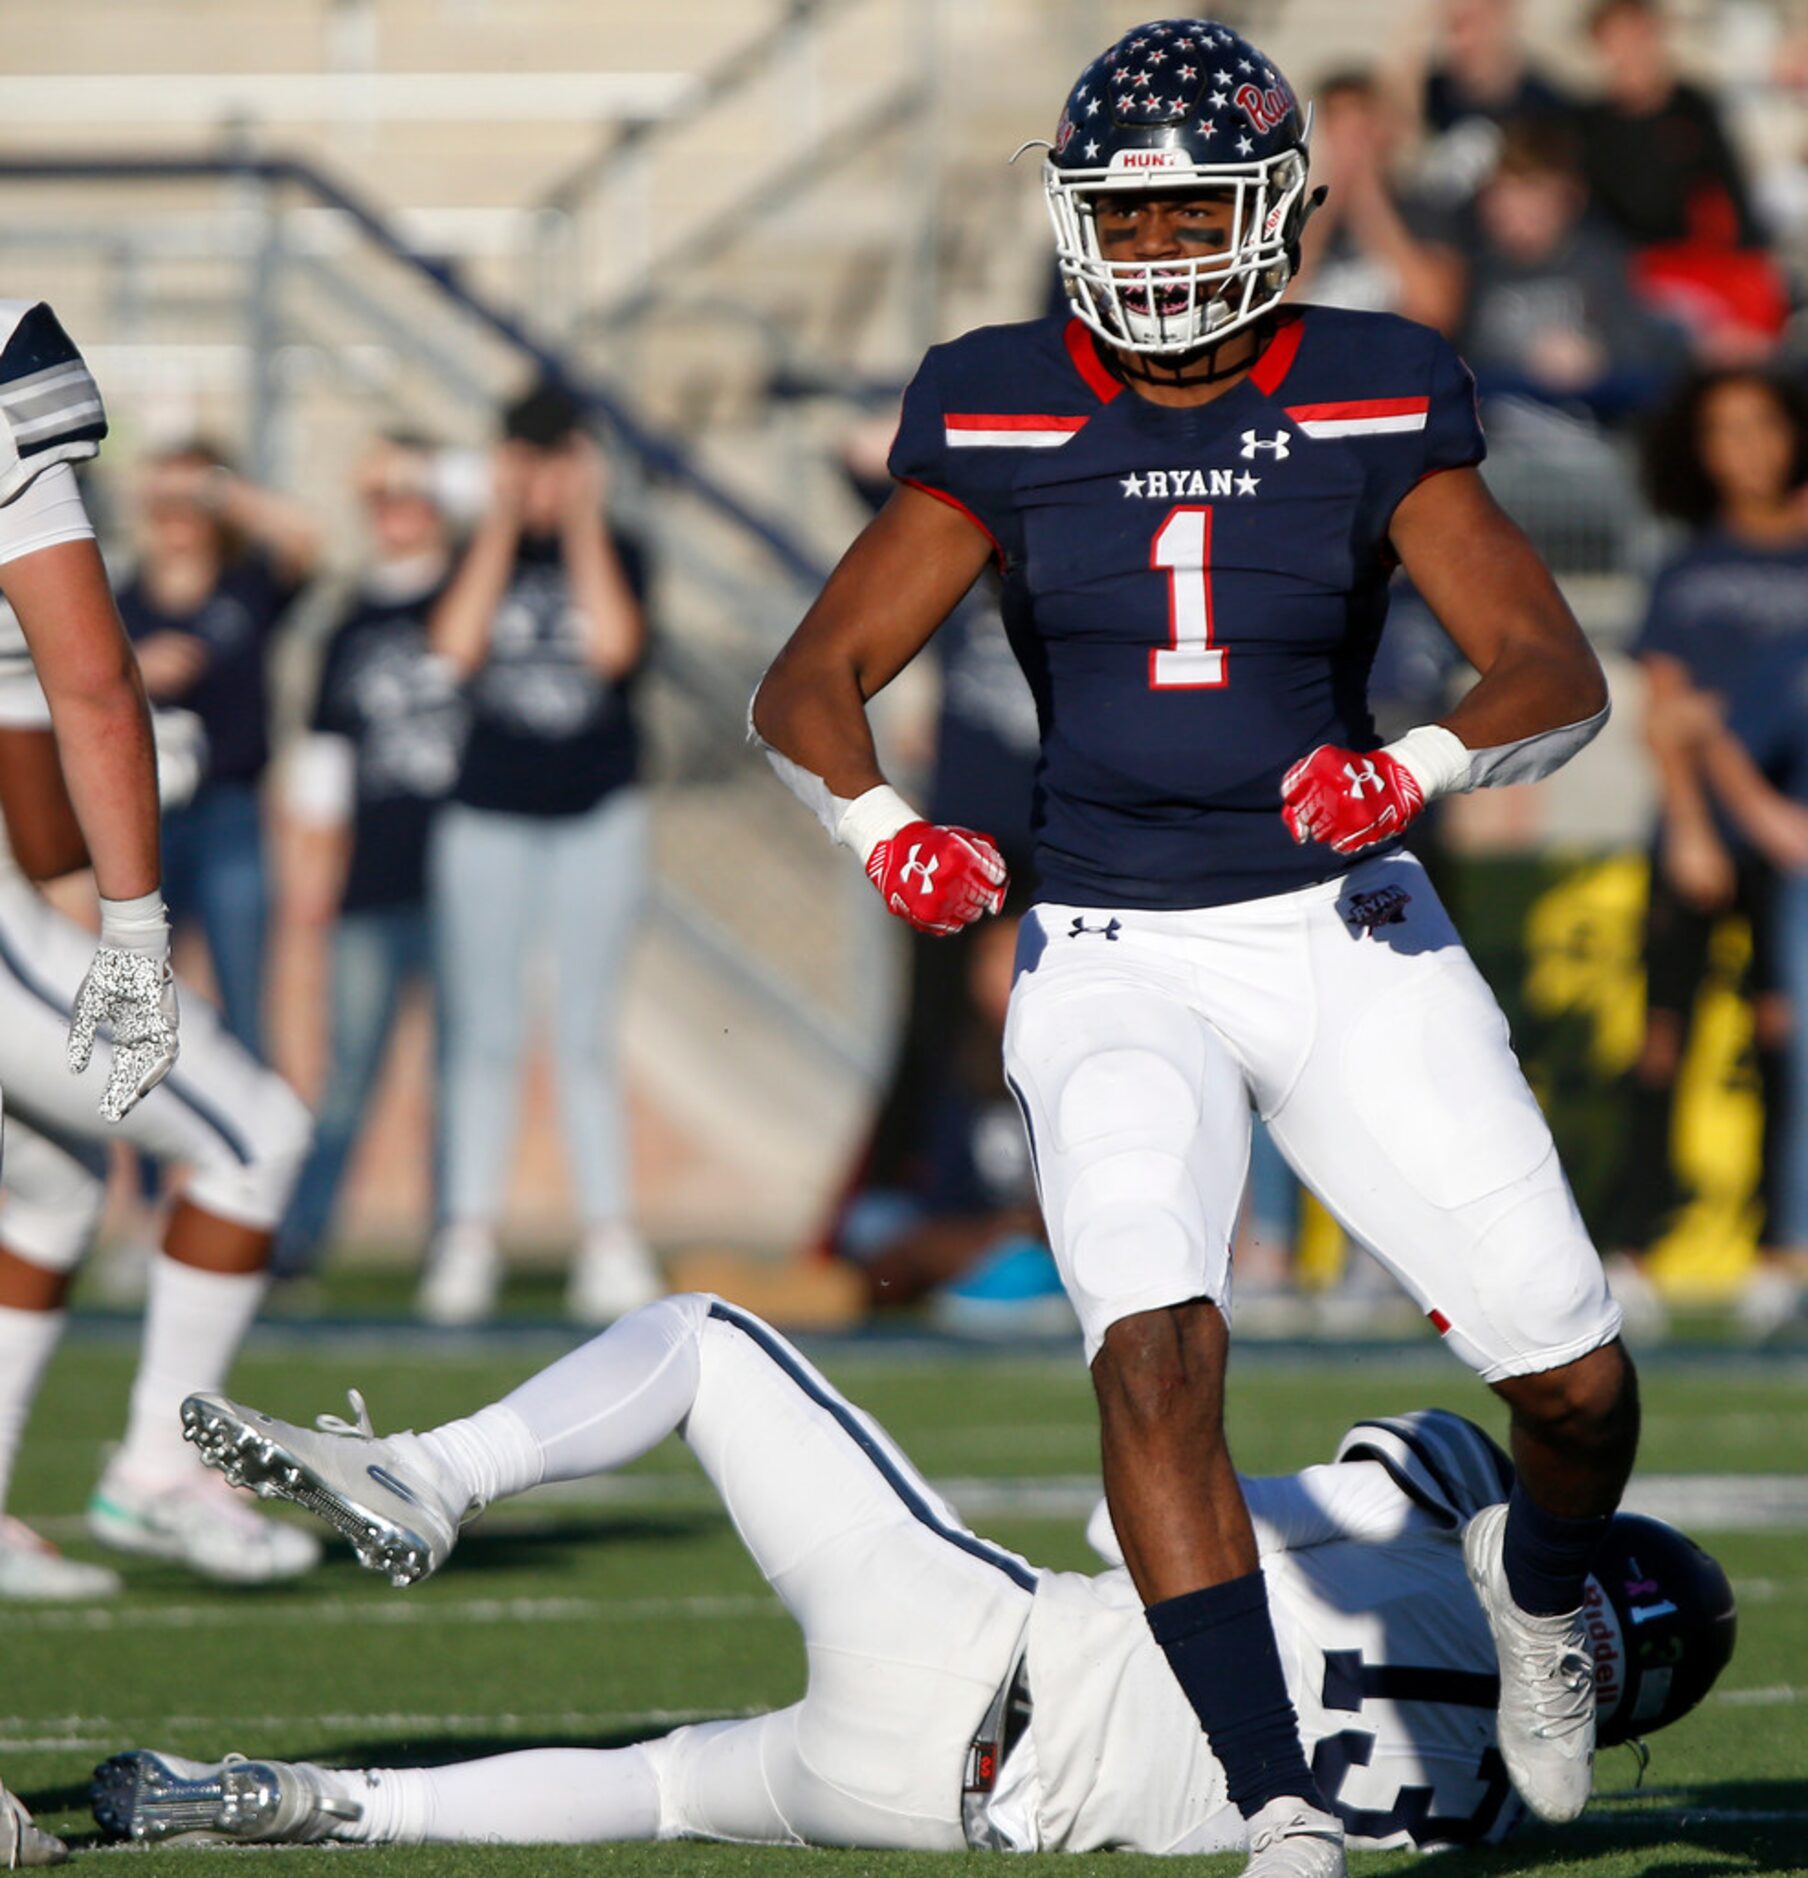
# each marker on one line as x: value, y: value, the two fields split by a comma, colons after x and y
x: 1387, y: 1656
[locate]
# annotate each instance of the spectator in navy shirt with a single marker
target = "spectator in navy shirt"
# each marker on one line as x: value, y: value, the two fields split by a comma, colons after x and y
x: 220, y: 563
x: 1729, y: 459
x: 381, y: 754
x: 544, y: 841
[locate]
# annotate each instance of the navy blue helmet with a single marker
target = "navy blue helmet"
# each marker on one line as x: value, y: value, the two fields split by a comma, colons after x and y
x: 1661, y: 1622
x: 1179, y: 105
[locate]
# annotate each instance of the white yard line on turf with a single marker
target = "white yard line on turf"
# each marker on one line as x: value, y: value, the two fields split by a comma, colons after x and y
x: 1773, y: 1695
x: 96, y: 1731
x: 378, y: 1610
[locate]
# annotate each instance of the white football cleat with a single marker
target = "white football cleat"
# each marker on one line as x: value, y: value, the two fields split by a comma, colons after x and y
x: 22, y: 1843
x: 386, y: 1494
x: 613, y: 1274
x: 1546, y: 1719
x: 1291, y: 1838
x: 32, y: 1569
x: 193, y: 1521
x: 155, y: 1799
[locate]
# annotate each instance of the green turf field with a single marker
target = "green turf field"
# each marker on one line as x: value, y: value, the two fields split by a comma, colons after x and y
x: 600, y: 1618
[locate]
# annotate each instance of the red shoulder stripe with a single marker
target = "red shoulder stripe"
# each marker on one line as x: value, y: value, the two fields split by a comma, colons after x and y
x: 1084, y: 352
x: 991, y: 420
x: 1358, y: 407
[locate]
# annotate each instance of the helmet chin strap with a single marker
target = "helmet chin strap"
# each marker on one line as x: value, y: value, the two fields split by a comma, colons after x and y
x: 1205, y: 364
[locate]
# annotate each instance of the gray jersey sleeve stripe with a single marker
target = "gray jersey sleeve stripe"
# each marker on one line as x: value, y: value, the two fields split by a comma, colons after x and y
x: 34, y: 384
x: 60, y: 422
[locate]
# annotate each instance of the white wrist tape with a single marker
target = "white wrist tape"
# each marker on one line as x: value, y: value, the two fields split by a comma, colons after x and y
x: 1437, y: 760
x: 873, y: 817
x: 140, y: 925
x: 860, y: 822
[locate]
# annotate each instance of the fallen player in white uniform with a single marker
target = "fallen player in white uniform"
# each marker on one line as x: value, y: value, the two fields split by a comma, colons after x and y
x: 957, y: 1696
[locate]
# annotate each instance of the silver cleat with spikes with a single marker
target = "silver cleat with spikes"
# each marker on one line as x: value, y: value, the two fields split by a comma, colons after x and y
x: 383, y: 1493
x: 153, y: 1799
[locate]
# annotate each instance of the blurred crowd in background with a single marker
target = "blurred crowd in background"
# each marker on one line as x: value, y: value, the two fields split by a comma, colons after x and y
x: 466, y: 792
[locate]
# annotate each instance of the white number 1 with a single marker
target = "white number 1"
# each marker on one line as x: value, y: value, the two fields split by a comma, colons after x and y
x: 1183, y: 545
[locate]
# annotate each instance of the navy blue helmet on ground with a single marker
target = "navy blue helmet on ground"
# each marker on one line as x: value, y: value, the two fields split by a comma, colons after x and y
x: 1662, y: 1623
x: 1179, y: 105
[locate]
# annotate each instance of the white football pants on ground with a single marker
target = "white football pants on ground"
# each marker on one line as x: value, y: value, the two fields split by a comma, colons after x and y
x: 910, y: 1622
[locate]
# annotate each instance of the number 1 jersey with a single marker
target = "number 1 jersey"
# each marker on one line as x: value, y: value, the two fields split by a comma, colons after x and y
x: 1195, y: 594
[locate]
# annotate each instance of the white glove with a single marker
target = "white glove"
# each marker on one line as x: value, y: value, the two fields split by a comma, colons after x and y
x: 131, y: 990
x: 22, y: 1843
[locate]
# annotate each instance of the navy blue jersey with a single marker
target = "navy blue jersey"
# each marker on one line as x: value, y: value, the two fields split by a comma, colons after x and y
x: 1719, y: 601
x: 1195, y: 595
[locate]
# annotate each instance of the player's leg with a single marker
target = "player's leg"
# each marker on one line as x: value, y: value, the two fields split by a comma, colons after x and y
x: 1404, y: 1108
x: 911, y: 1622
x: 596, y: 892
x: 241, y: 1132
x: 709, y: 1781
x: 48, y: 1213
x: 1139, y: 1122
x: 372, y: 961
x: 487, y: 881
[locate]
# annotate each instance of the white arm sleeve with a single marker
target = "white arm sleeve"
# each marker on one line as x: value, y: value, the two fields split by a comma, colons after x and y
x: 48, y: 511
x: 1442, y: 764
x: 858, y: 822
x: 1336, y: 1500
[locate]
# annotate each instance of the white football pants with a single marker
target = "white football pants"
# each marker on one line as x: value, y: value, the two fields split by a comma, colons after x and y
x: 237, y: 1126
x: 1352, y: 1017
x: 910, y: 1622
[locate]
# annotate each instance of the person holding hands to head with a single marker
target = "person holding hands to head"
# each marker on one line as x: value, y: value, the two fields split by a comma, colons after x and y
x: 545, y: 835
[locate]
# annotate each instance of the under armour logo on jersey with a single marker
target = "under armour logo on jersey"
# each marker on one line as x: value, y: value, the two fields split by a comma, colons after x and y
x: 913, y: 866
x: 1080, y: 929
x: 1363, y: 777
x: 1277, y: 445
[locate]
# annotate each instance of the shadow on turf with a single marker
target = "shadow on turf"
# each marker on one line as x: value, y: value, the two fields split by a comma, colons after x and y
x: 1761, y: 1823
x: 509, y: 1546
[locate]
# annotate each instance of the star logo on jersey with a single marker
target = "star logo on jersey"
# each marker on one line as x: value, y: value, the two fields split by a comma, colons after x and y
x: 1189, y: 485
x: 1277, y: 446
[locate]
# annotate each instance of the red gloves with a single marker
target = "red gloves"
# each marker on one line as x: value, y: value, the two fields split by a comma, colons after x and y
x: 1349, y: 800
x: 939, y: 879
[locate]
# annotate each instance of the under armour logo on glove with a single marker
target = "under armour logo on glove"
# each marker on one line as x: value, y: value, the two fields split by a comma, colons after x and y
x: 939, y: 879
x: 132, y: 995
x: 1349, y: 800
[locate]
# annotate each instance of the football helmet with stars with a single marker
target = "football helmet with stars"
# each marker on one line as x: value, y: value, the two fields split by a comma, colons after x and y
x: 1179, y: 105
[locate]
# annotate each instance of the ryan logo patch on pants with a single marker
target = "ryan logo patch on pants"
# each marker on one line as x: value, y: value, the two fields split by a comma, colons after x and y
x: 1385, y: 906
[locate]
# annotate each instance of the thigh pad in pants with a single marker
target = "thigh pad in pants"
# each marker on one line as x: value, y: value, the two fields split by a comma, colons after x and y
x: 1139, y: 1123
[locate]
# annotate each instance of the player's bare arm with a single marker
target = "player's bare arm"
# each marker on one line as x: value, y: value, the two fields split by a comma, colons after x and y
x: 902, y: 577
x: 1483, y: 579
x: 1541, y: 695
x: 97, y: 704
x: 41, y: 825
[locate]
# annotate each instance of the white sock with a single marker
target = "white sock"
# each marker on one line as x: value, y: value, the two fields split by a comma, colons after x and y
x: 543, y: 1796
x: 26, y: 1341
x: 194, y: 1322
x: 597, y: 1409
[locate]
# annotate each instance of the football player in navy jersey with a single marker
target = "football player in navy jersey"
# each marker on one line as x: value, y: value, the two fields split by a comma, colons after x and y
x: 1197, y: 497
